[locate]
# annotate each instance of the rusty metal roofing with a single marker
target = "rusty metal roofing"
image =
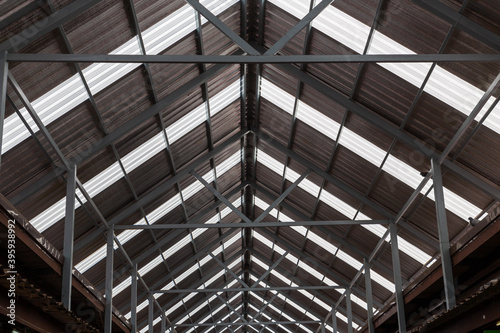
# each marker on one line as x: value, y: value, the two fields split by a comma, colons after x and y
x: 251, y: 131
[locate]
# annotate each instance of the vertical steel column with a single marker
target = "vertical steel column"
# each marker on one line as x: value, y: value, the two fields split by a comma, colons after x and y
x: 69, y: 232
x: 369, y: 297
x: 163, y: 322
x: 4, y: 70
x: 444, y: 238
x: 150, y: 313
x: 133, y: 301
x: 398, y: 283
x: 348, y: 309
x: 323, y: 327
x: 108, y: 313
x: 334, y: 321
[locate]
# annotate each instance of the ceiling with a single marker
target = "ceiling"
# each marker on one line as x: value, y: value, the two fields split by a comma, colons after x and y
x: 349, y: 142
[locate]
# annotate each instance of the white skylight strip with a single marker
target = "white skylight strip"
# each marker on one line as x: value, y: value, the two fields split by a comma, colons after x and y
x: 71, y: 92
x: 371, y: 153
x: 442, y: 84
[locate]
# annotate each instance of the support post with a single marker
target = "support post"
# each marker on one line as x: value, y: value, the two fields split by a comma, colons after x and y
x: 150, y: 313
x: 444, y: 238
x: 133, y: 301
x: 108, y: 310
x: 69, y: 232
x: 400, y: 305
x: 4, y: 69
x: 334, y: 320
x: 349, y: 310
x: 369, y: 297
x: 163, y: 322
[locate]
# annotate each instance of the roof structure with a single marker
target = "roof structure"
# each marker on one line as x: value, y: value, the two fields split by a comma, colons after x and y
x: 271, y: 165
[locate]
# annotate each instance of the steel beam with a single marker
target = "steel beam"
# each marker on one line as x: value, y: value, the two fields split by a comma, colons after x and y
x: 212, y: 290
x: 348, y: 306
x: 246, y: 225
x: 108, y: 310
x: 304, y: 22
x: 163, y: 323
x: 45, y: 26
x: 400, y: 303
x: 444, y: 238
x: 463, y: 23
x: 271, y: 268
x: 133, y: 301
x: 222, y: 27
x: 4, y: 70
x: 369, y: 297
x: 150, y: 312
x: 69, y: 233
x: 251, y: 59
x: 251, y: 323
x: 334, y: 321
x: 223, y: 265
x: 220, y: 197
x: 282, y: 196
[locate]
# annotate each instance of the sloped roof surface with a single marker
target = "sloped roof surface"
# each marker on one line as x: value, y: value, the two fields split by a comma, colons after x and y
x: 252, y: 131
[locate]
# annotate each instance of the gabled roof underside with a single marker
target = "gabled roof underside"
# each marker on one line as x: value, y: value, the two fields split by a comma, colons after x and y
x: 251, y: 132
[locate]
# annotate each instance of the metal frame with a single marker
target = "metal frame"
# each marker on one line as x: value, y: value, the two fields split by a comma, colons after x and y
x: 255, y: 56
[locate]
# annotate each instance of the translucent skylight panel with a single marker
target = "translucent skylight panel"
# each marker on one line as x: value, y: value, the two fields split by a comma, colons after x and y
x: 143, y: 153
x: 442, y: 84
x: 224, y: 98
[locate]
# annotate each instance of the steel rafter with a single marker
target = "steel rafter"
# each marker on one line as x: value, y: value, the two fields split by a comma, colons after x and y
x: 252, y: 59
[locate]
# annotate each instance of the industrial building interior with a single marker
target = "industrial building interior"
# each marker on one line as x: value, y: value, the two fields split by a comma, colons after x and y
x: 250, y: 166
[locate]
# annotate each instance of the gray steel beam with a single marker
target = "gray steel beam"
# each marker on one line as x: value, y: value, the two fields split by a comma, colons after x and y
x: 222, y: 27
x: 210, y: 290
x: 69, y: 232
x: 304, y: 22
x: 163, y: 323
x: 220, y: 197
x: 150, y: 313
x: 231, y: 308
x: 470, y: 119
x: 348, y: 306
x: 251, y: 323
x: 4, y: 70
x: 108, y: 310
x: 463, y: 23
x: 252, y: 59
x: 223, y: 265
x: 369, y: 297
x: 271, y: 268
x: 398, y: 283
x: 334, y: 321
x: 282, y: 196
x: 444, y: 238
x: 46, y: 25
x: 133, y: 301
x: 388, y: 127
x: 246, y: 225
x: 28, y: 8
